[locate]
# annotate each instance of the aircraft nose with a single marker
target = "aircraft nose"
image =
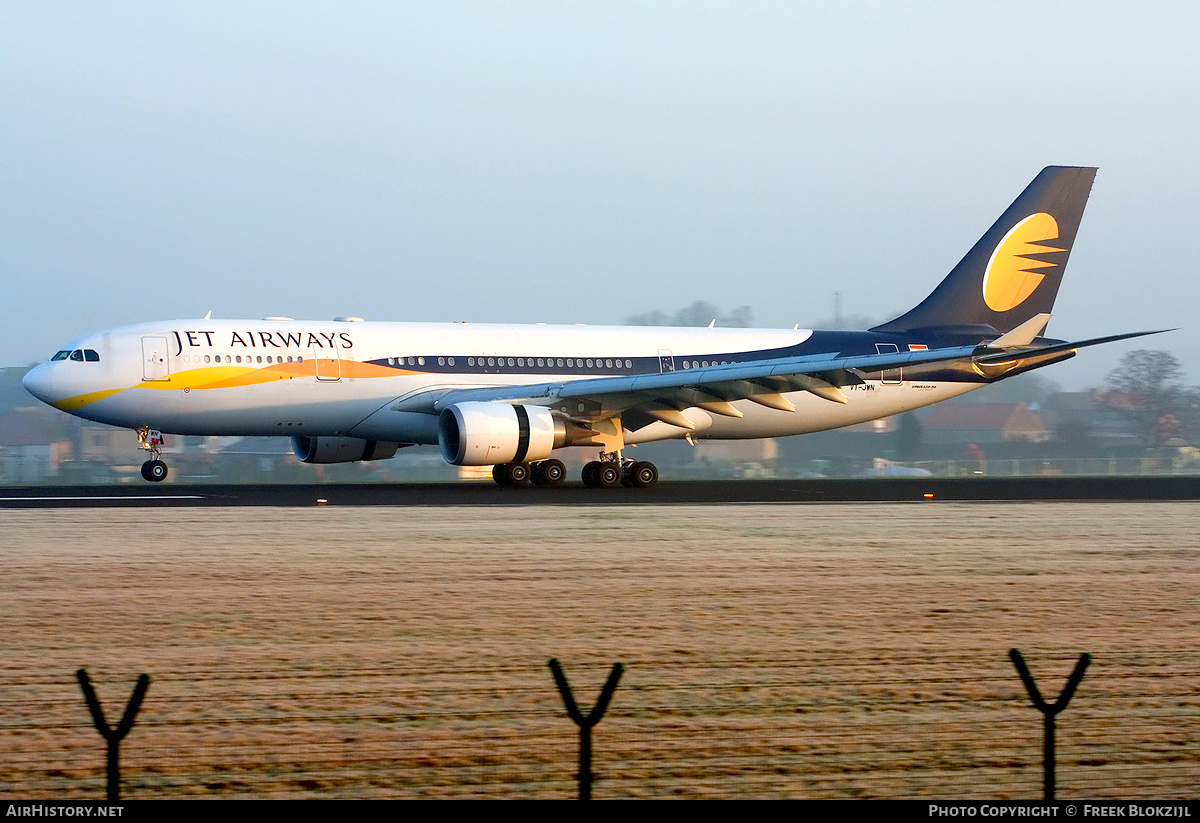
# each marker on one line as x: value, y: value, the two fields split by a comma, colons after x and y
x: 38, y: 382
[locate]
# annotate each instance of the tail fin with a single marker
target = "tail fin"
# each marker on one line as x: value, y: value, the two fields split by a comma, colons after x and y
x: 1013, y: 272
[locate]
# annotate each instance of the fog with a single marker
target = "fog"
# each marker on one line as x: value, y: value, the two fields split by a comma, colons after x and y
x: 582, y: 163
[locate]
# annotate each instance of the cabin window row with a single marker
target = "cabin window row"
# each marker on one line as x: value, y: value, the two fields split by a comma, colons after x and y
x: 561, y: 362
x: 216, y: 358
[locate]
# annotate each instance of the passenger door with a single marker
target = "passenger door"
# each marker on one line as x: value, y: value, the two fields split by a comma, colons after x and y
x: 154, y: 359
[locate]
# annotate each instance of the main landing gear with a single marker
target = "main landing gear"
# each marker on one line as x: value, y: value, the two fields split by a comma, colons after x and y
x: 543, y: 473
x: 609, y: 472
x: 154, y: 469
x: 618, y: 471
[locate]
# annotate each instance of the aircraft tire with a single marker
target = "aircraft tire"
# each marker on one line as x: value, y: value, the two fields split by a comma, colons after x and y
x: 154, y: 470
x: 518, y: 474
x: 552, y: 472
x: 500, y: 474
x: 644, y: 474
x: 608, y: 475
x: 589, y: 474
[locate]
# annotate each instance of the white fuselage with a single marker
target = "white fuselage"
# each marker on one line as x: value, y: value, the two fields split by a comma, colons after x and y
x: 378, y: 381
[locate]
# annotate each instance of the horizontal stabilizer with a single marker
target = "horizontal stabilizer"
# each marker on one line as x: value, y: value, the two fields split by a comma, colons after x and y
x: 1004, y: 357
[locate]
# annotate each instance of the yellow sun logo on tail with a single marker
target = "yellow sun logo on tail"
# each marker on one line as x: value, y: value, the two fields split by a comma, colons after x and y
x: 1012, y: 273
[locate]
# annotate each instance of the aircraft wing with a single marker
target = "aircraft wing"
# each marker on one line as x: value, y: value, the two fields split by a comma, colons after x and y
x: 713, y: 388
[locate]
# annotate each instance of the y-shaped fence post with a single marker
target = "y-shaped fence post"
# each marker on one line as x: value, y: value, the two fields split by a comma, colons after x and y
x: 1049, y: 711
x: 113, y: 736
x: 585, y: 723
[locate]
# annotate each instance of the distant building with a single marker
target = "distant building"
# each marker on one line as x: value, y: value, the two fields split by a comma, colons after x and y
x: 985, y: 423
x: 32, y: 445
x: 1100, y: 418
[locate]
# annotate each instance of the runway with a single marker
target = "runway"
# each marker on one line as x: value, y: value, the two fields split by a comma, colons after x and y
x: 666, y: 493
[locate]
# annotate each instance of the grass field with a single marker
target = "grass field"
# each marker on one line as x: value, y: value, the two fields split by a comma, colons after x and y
x: 840, y: 650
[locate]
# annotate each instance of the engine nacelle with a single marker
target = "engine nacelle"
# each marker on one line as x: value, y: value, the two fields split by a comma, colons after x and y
x: 484, y: 434
x: 341, y: 449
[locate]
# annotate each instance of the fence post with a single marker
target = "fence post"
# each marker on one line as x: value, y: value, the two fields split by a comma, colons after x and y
x: 1049, y: 712
x: 585, y: 723
x: 113, y: 736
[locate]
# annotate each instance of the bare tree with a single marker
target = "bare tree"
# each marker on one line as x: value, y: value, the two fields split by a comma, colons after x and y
x: 1145, y: 388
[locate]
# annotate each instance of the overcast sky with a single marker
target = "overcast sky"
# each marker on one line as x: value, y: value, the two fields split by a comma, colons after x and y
x: 583, y: 162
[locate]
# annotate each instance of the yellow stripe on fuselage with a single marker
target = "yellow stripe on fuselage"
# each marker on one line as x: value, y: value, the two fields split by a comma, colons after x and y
x: 68, y: 404
x: 228, y: 377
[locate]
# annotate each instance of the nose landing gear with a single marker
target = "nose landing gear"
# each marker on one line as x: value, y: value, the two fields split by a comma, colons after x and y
x: 154, y: 469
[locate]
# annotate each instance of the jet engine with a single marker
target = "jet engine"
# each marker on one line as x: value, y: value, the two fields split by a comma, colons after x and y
x: 484, y: 434
x: 341, y: 449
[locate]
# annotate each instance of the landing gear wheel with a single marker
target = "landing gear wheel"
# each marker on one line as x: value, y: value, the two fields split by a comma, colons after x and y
x: 644, y: 474
x: 154, y: 470
x: 550, y: 473
x: 518, y: 474
x: 500, y: 474
x: 589, y: 474
x: 607, y: 475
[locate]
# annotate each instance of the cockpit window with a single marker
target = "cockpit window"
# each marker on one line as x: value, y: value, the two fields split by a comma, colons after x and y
x: 77, y: 355
x: 62, y: 355
x: 91, y: 355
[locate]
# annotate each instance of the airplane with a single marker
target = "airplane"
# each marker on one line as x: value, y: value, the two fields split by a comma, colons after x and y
x: 509, y: 396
